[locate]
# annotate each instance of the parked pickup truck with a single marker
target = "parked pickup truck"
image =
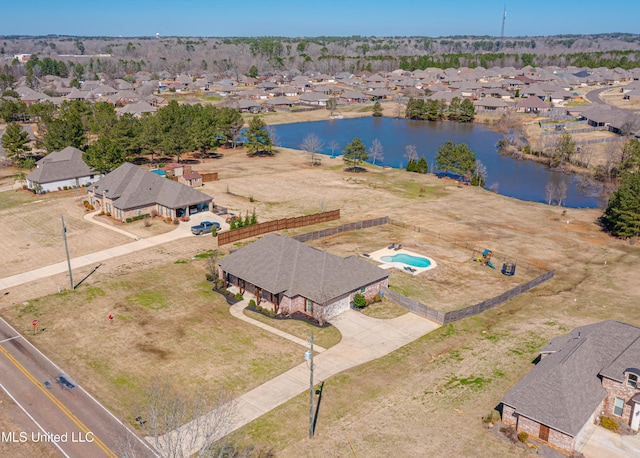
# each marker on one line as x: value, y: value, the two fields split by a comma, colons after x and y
x: 204, y: 227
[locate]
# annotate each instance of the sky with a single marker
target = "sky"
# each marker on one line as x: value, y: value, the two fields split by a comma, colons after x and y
x: 305, y: 18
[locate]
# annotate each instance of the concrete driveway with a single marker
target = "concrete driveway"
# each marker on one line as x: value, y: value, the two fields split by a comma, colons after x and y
x: 602, y: 443
x: 363, y: 339
x: 182, y: 230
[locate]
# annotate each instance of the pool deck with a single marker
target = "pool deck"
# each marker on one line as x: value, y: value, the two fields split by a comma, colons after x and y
x: 377, y: 256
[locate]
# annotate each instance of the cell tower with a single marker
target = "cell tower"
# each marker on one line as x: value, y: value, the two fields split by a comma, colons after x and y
x: 504, y: 18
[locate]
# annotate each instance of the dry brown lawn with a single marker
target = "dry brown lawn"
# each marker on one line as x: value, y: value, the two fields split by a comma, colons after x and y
x: 168, y: 324
x: 424, y: 399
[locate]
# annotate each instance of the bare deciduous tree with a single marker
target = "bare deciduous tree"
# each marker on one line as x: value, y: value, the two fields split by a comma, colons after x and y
x: 550, y: 192
x: 481, y: 173
x: 411, y: 153
x: 561, y: 192
x: 585, y: 155
x: 332, y: 104
x: 376, y: 151
x: 180, y: 426
x: 334, y: 145
x: 313, y: 145
x: 212, y: 264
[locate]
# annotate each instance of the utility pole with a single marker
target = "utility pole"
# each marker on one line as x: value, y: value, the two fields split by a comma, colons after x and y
x: 66, y: 249
x: 309, y: 357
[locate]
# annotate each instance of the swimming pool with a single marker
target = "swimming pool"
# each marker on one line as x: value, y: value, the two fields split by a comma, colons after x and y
x: 413, y: 261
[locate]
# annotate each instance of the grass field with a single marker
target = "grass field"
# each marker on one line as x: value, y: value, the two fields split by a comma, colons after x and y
x: 426, y: 399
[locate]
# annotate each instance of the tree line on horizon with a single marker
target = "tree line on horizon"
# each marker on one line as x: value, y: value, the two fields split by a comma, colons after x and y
x: 324, y: 54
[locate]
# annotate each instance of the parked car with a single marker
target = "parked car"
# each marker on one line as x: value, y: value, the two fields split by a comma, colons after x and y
x: 205, y: 227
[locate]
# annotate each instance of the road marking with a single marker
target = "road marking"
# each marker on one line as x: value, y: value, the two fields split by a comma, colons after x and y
x: 57, y: 402
x: 37, y: 350
x: 10, y: 338
x: 32, y: 419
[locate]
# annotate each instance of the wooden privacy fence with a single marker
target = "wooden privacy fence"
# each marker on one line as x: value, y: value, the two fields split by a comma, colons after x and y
x: 456, y: 315
x: 413, y: 306
x: 276, y: 225
x: 340, y: 229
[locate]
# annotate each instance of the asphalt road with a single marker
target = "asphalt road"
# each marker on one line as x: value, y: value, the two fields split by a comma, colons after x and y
x: 71, y: 419
x: 594, y: 96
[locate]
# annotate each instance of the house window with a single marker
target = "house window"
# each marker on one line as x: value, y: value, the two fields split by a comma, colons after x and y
x: 632, y: 380
x: 618, y: 407
x: 139, y: 212
x: 309, y: 306
x: 363, y: 289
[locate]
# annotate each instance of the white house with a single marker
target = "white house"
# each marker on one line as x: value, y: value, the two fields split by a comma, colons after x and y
x: 60, y: 170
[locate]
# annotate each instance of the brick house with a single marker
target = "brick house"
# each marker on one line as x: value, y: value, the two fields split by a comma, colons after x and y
x: 182, y: 173
x: 294, y: 277
x: 593, y: 372
x: 130, y: 191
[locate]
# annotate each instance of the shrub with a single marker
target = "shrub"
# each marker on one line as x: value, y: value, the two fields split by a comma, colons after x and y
x: 176, y: 221
x: 609, y: 423
x: 359, y: 301
x: 219, y: 283
x: 523, y: 436
x: 129, y: 220
x: 252, y: 303
x: 209, y: 277
x: 377, y: 298
x: 265, y: 311
x: 510, y: 433
x: 154, y: 213
x: 239, y: 296
x: 214, y: 231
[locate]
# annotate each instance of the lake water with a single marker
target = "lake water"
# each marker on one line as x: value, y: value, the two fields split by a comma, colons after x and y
x: 525, y: 180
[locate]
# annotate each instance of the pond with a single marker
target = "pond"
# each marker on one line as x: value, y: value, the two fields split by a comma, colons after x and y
x: 525, y: 180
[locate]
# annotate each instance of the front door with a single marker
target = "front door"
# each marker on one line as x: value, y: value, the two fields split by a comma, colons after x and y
x: 635, y: 417
x: 544, y: 433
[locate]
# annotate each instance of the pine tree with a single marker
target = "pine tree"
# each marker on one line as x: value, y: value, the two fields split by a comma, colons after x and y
x: 623, y: 211
x: 15, y: 142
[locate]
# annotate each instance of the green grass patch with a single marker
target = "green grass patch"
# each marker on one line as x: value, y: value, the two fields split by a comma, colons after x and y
x: 154, y: 300
x: 474, y: 383
x: 13, y: 199
x: 181, y: 261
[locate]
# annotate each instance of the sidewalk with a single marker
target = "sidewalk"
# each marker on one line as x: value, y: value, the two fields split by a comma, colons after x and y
x: 363, y: 339
x: 181, y: 231
x: 237, y: 310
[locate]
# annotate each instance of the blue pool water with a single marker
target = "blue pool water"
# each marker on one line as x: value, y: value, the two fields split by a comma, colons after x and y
x: 414, y: 261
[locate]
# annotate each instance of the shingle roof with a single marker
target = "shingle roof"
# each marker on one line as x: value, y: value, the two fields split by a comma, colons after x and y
x: 60, y: 165
x: 281, y: 264
x: 130, y: 186
x: 563, y: 390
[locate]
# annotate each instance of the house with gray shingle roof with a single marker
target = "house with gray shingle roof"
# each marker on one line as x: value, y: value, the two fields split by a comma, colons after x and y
x: 130, y: 191
x: 295, y: 277
x: 591, y: 373
x: 60, y: 170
